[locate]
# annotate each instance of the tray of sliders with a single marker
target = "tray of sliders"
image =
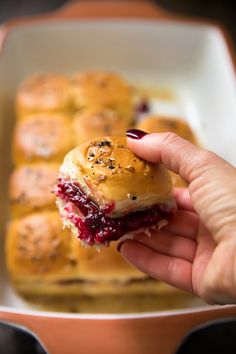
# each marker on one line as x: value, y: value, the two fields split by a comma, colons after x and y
x: 74, y: 81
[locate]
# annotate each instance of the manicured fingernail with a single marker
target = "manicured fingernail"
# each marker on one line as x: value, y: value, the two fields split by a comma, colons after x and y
x: 135, y: 134
x: 119, y: 246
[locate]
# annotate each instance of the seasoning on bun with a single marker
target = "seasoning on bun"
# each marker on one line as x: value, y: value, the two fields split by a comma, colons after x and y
x: 105, y: 192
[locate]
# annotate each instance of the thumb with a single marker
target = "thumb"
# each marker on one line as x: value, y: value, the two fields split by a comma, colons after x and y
x: 212, y: 181
x: 175, y: 153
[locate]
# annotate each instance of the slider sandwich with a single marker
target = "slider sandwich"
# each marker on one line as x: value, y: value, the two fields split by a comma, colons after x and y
x: 106, y: 193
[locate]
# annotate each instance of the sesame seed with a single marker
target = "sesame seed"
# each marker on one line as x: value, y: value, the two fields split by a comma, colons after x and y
x: 101, y: 178
x: 130, y: 168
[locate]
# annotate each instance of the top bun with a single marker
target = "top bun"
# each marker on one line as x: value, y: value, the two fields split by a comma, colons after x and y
x: 93, y: 123
x: 98, y: 89
x: 42, y: 136
x: 43, y: 93
x: 109, y: 173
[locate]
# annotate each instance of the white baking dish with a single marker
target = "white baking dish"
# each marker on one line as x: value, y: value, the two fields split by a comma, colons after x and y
x: 190, y: 58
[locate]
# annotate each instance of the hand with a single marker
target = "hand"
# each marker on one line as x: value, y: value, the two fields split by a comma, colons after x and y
x: 196, y: 251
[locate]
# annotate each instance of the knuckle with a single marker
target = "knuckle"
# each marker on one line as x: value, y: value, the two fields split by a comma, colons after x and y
x: 171, y: 269
x: 170, y: 138
x: 205, y: 157
x: 200, y: 165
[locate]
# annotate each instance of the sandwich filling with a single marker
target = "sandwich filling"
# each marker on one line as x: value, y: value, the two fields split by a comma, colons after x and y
x: 93, y: 224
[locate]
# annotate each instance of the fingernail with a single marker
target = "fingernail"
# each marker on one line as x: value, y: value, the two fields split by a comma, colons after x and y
x: 135, y: 134
x: 119, y: 246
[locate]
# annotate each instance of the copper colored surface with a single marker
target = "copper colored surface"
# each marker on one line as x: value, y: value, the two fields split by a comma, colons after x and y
x: 152, y: 335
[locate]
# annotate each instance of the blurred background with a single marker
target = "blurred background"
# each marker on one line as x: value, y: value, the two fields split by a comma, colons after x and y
x: 222, y: 11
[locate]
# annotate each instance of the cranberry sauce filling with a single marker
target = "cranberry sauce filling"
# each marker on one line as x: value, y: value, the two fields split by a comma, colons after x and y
x: 142, y: 107
x: 95, y: 226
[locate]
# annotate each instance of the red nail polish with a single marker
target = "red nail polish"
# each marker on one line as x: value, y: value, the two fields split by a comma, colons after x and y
x: 135, y: 134
x: 119, y: 246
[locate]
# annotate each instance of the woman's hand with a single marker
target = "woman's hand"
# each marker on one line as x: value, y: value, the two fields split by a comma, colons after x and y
x: 196, y: 251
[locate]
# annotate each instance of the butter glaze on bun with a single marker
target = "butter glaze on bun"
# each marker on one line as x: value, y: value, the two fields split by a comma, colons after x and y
x: 42, y: 136
x: 105, y: 192
x: 98, y: 89
x: 100, y: 122
x: 37, y: 244
x: 30, y: 187
x: 43, y: 93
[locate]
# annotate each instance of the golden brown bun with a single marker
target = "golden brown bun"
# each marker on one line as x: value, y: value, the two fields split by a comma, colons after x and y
x: 159, y: 124
x: 43, y: 93
x: 37, y: 246
x: 107, y: 265
x: 108, y: 172
x: 44, y: 260
x: 42, y: 137
x: 30, y: 187
x: 71, y: 290
x: 95, y: 123
x: 98, y: 89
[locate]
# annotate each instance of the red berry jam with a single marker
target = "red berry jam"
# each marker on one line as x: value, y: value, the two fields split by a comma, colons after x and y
x: 142, y: 107
x: 93, y: 223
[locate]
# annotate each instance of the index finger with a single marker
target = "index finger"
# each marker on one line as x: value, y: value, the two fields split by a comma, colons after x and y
x: 172, y: 270
x: 176, y: 154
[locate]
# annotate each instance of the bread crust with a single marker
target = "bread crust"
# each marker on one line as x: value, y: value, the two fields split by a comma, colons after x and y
x: 92, y: 123
x: 98, y: 89
x: 31, y: 187
x: 41, y: 137
x: 44, y: 259
x: 37, y: 245
x: 43, y: 93
x: 108, y: 172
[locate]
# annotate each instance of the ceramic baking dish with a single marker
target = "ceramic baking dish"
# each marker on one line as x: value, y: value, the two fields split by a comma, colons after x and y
x: 145, y: 44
